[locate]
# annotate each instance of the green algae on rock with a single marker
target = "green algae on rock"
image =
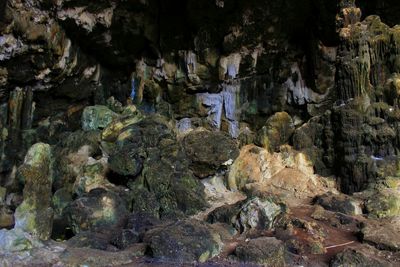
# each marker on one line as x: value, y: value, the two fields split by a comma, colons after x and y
x: 97, y: 117
x: 35, y: 214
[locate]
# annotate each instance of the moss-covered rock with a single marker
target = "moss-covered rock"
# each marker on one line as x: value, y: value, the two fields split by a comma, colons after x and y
x: 166, y: 175
x: 128, y: 160
x: 267, y: 251
x: 277, y: 131
x: 71, y: 154
x: 114, y: 129
x: 96, y: 210
x: 92, y: 175
x: 35, y: 214
x: 150, y: 151
x: 144, y: 201
x: 354, y: 258
x: 339, y: 203
x: 97, y: 117
x: 383, y: 203
x: 184, y: 241
x: 208, y: 151
x: 383, y: 234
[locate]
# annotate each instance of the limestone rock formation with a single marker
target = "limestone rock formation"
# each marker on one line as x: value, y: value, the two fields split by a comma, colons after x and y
x: 35, y: 214
x: 125, y: 125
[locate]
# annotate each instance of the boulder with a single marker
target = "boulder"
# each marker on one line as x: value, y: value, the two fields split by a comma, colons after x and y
x: 339, y: 203
x: 112, y: 131
x: 267, y: 251
x: 35, y: 214
x: 97, y: 117
x: 384, y: 235
x: 90, y: 240
x: 354, y: 258
x: 138, y: 224
x: 127, y: 160
x: 6, y: 217
x: 174, y: 187
x: 184, y: 241
x: 127, y: 151
x: 208, y: 151
x: 92, y: 176
x: 254, y: 165
x: 95, y: 211
x: 72, y: 153
x: 286, y: 174
x: 383, y: 203
x: 141, y: 222
x: 254, y: 213
x: 125, y: 238
x: 17, y: 240
x: 165, y: 186
x: 277, y: 131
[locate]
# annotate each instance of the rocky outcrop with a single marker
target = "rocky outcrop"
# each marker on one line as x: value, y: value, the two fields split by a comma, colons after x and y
x: 136, y: 120
x: 35, y: 214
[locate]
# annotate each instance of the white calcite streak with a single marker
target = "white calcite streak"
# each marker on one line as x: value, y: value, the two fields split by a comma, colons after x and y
x: 223, y: 103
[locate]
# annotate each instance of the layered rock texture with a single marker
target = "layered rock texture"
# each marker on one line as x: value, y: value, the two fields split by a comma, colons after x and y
x: 213, y: 131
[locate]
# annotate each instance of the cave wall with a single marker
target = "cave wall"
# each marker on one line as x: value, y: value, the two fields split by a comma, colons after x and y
x: 224, y: 65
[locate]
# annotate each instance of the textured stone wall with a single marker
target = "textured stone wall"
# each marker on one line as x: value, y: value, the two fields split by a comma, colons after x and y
x: 223, y: 65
